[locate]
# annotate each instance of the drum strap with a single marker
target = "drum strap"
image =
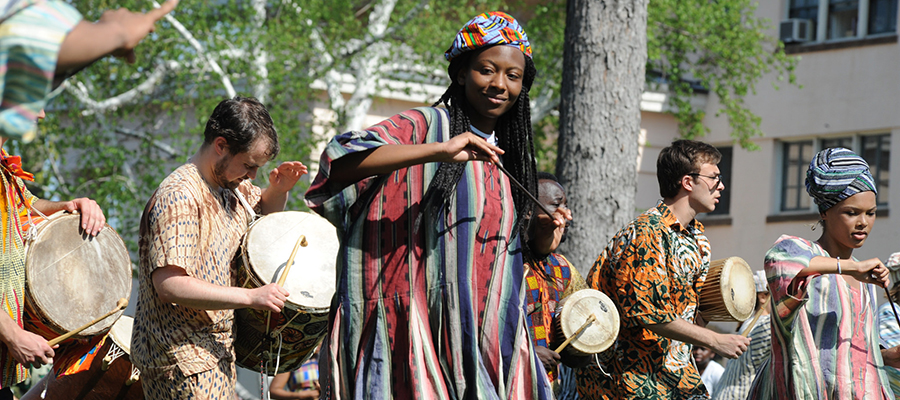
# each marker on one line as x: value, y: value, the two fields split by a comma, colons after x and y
x: 245, y: 204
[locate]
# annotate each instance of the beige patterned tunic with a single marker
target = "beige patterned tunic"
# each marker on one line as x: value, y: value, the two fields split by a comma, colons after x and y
x: 189, y: 225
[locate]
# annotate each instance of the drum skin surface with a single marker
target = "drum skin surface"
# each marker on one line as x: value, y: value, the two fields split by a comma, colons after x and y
x: 575, y: 310
x: 303, y: 322
x: 95, y: 384
x: 71, y: 279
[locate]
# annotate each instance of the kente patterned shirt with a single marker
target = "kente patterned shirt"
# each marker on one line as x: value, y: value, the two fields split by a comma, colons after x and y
x: 824, y: 339
x: 739, y: 373
x: 13, y: 211
x: 547, y: 282
x: 189, y: 225
x: 652, y: 269
x: 890, y: 337
x: 433, y: 311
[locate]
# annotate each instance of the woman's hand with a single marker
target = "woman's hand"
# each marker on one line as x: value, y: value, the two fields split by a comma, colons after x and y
x: 868, y: 271
x: 469, y: 146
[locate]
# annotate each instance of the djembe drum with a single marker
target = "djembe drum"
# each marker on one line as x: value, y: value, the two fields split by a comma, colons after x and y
x: 729, y: 294
x: 72, y: 278
x: 110, y: 375
x: 571, y: 322
x: 263, y: 339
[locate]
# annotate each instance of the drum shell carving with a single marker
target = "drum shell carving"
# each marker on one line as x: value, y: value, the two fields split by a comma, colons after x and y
x: 303, y: 322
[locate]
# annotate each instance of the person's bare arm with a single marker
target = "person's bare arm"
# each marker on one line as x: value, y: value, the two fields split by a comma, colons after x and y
x: 26, y: 348
x: 117, y: 32
x: 92, y: 218
x: 388, y: 158
x: 174, y: 285
x: 725, y: 345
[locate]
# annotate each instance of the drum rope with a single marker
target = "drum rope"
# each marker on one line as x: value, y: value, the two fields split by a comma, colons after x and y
x: 112, y: 354
x: 597, y: 361
x: 277, y: 332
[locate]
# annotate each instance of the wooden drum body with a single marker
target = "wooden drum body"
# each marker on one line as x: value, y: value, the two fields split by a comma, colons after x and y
x: 574, y: 311
x: 729, y: 294
x: 71, y: 278
x: 290, y: 336
x: 111, y: 374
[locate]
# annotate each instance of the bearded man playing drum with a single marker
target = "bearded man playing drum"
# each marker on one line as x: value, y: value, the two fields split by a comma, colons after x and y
x: 549, y: 277
x: 21, y: 348
x: 652, y: 269
x: 190, y: 231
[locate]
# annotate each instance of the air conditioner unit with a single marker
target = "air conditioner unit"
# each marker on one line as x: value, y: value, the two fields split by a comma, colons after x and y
x: 796, y: 30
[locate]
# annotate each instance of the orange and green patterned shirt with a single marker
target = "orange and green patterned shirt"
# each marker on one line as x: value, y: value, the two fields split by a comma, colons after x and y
x: 652, y: 270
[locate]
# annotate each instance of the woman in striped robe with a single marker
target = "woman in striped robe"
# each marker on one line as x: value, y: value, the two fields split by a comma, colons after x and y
x: 825, y: 342
x: 429, y: 288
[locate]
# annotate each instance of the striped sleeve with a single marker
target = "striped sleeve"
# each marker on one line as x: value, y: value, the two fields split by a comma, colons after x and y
x: 783, y: 262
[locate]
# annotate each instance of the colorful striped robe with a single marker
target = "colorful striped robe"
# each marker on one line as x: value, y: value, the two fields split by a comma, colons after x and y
x: 428, y: 313
x: 825, y: 342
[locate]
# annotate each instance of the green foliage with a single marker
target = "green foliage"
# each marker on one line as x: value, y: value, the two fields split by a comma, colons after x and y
x: 119, y: 155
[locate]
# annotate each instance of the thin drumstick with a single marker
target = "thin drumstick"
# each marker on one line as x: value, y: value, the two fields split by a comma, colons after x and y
x: 301, y: 242
x: 584, y: 326
x: 893, y: 307
x: 522, y: 188
x: 119, y: 306
x: 756, y: 317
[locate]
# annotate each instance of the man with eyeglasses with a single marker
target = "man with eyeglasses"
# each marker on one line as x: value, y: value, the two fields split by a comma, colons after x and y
x: 652, y: 269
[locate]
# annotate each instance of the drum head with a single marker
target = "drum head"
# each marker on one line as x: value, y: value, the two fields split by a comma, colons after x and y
x: 73, y: 280
x: 311, y: 280
x: 120, y: 333
x: 738, y: 289
x: 576, y: 310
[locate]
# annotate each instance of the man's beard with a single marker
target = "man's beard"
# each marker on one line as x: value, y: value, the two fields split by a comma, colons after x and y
x: 219, y: 173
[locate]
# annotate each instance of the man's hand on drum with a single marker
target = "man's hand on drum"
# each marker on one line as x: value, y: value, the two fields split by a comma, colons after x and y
x: 92, y: 218
x: 548, y: 357
x: 30, y: 350
x: 285, y: 176
x: 270, y: 297
x: 730, y: 346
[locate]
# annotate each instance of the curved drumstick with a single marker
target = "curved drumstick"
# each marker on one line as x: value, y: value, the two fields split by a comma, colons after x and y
x: 522, y: 188
x: 584, y: 326
x: 756, y: 317
x: 123, y: 302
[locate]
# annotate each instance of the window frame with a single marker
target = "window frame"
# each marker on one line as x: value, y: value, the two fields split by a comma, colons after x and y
x: 821, y: 21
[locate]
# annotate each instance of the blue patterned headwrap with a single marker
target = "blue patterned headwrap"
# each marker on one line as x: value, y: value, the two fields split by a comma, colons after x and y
x: 495, y: 27
x: 836, y: 174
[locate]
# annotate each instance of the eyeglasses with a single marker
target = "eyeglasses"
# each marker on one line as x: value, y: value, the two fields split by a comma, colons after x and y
x: 716, y: 179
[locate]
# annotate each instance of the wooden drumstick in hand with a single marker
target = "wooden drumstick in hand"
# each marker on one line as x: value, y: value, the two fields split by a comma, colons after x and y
x: 301, y: 242
x: 123, y: 302
x: 584, y: 326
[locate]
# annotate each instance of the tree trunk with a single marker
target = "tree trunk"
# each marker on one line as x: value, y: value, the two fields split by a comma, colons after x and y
x: 604, y: 58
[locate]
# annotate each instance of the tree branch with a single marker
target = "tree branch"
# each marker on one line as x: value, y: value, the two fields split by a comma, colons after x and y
x: 162, y: 146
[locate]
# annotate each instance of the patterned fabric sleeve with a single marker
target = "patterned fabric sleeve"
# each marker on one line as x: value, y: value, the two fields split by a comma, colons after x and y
x: 333, y: 199
x: 784, y: 261
x: 641, y: 283
x: 174, y: 224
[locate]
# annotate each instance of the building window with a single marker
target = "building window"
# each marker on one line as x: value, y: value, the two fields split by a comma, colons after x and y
x: 882, y: 16
x: 875, y: 149
x: 845, y: 18
x: 724, y: 205
x: 793, y: 186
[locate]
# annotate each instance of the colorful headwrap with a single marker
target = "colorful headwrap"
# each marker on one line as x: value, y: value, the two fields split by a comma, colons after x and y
x: 836, y: 174
x: 31, y: 34
x: 495, y: 27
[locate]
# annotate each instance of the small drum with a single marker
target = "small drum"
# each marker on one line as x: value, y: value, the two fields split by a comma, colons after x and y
x: 573, y: 313
x: 71, y: 278
x: 290, y: 336
x: 729, y: 294
x: 110, y: 375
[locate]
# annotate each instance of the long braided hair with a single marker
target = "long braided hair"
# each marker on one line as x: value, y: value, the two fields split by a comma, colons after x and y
x: 514, y: 136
